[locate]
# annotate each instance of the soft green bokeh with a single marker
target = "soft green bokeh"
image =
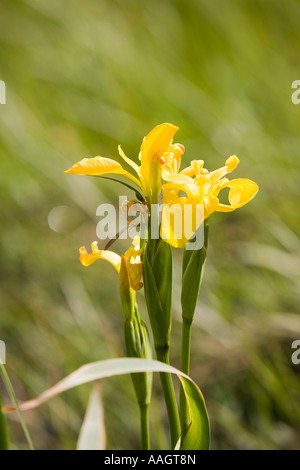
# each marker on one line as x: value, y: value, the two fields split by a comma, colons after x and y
x: 84, y: 76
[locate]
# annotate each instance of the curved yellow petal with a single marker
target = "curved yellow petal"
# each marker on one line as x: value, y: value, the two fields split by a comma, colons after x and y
x: 95, y: 166
x: 98, y: 166
x: 195, y: 168
x: 157, y: 142
x: 129, y: 161
x: 87, y: 259
x: 211, y: 203
x: 154, y: 145
x: 179, y: 178
x: 230, y: 165
x: 179, y: 183
x: 188, y: 171
x: 241, y: 192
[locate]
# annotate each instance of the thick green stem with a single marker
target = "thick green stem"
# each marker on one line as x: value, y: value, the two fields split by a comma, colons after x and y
x: 144, y: 414
x: 185, y: 367
x: 3, y: 430
x: 170, y: 398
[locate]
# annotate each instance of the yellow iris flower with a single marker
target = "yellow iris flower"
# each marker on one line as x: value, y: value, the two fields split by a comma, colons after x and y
x: 157, y: 154
x: 160, y: 161
x: 131, y: 259
x: 202, y: 188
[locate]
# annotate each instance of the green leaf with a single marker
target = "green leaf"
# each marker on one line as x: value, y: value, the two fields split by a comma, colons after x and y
x: 197, y: 434
x: 92, y: 434
x: 158, y: 290
x: 192, y: 273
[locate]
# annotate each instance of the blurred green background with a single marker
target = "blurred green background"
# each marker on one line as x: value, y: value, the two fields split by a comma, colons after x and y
x: 84, y: 76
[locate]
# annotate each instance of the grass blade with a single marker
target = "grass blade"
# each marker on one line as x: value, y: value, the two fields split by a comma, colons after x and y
x: 13, y: 398
x: 197, y: 434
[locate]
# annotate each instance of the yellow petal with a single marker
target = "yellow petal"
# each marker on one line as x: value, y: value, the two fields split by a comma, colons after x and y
x: 178, y: 179
x: 136, y: 243
x: 135, y: 264
x: 135, y: 273
x: 195, y: 168
x: 157, y: 142
x: 95, y: 166
x: 188, y: 171
x: 171, y: 160
x: 181, y: 217
x: 179, y: 183
x: 123, y: 278
x: 241, y: 192
x: 171, y: 230
x: 154, y: 145
x: 87, y: 259
x: 135, y: 249
x: 99, y: 166
x: 129, y: 161
x: 231, y: 163
x: 210, y: 205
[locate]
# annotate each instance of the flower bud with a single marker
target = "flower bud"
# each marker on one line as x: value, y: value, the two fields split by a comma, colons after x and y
x: 137, y: 343
x: 192, y: 273
x: 127, y: 294
x: 158, y: 290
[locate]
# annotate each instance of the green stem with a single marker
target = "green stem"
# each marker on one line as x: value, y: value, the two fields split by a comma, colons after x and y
x: 12, y: 395
x: 170, y: 398
x: 3, y: 430
x: 144, y: 414
x: 185, y: 367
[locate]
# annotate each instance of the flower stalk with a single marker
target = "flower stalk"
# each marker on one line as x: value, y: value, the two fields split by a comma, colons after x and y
x: 170, y: 398
x: 137, y: 344
x: 145, y: 434
x: 3, y: 429
x: 158, y: 293
x: 192, y: 275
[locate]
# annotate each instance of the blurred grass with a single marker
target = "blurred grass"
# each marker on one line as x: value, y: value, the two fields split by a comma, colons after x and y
x: 83, y: 77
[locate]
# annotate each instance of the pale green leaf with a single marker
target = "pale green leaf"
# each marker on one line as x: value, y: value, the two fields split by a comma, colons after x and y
x: 92, y: 434
x: 196, y: 436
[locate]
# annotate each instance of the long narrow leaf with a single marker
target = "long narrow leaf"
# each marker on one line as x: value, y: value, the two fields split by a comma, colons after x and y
x: 197, y: 434
x: 92, y: 434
